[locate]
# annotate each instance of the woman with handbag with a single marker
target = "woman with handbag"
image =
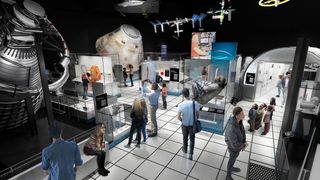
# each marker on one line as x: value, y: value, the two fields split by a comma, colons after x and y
x: 96, y: 147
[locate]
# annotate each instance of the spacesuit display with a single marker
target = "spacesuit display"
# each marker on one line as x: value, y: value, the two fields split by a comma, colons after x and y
x: 24, y: 25
x: 203, y: 91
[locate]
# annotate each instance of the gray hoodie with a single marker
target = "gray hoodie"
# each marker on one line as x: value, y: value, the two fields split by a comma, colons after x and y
x: 235, y: 135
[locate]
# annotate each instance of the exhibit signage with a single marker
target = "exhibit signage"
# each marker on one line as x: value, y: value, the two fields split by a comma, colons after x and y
x: 174, y: 74
x: 250, y: 78
x: 101, y: 101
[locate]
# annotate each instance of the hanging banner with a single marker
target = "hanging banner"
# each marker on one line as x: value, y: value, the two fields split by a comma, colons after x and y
x: 224, y: 51
x: 201, y: 44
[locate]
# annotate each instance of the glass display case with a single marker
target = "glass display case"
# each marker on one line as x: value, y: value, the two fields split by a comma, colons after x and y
x: 117, y: 119
x: 168, y: 68
x: 213, y: 113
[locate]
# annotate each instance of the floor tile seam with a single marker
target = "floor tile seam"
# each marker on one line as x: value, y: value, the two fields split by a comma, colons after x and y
x: 166, y: 166
x: 225, y: 154
x: 250, y: 152
x: 263, y: 145
x: 274, y: 144
x: 145, y: 159
x: 199, y: 156
x: 262, y: 155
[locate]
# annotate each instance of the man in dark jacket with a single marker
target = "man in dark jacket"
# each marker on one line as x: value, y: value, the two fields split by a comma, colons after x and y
x: 235, y: 138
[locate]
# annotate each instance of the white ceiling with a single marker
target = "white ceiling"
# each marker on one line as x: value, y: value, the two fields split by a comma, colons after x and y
x: 286, y: 55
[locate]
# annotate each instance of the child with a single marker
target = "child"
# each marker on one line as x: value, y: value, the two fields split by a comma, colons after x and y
x: 266, y: 120
x: 259, y: 115
x: 252, y: 116
x: 164, y: 93
x: 272, y: 104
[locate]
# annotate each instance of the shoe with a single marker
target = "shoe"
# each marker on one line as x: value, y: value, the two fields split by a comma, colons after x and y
x: 229, y: 178
x: 143, y: 142
x: 235, y: 169
x: 277, y: 96
x: 138, y: 145
x: 184, y: 151
x: 250, y: 130
x: 152, y: 135
x: 190, y: 157
x: 106, y: 171
x: 102, y: 172
x: 135, y: 141
x: 127, y: 146
x: 263, y: 133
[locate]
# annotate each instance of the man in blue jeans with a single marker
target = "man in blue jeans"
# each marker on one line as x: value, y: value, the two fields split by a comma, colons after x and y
x: 153, y: 97
x: 235, y: 138
x: 185, y: 115
x: 60, y: 159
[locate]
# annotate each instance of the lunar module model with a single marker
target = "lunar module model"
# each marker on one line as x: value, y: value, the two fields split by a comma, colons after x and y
x: 23, y: 27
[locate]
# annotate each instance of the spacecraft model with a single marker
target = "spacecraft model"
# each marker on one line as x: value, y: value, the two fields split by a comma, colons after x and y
x: 24, y: 26
x: 126, y: 42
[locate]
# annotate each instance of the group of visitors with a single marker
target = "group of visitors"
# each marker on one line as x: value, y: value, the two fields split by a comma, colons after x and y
x: 260, y: 114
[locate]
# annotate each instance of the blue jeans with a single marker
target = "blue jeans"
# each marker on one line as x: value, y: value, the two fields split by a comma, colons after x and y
x: 279, y: 91
x: 234, y: 153
x: 133, y: 128
x: 143, y: 130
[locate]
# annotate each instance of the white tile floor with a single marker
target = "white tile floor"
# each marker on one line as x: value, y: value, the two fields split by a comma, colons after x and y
x: 161, y: 157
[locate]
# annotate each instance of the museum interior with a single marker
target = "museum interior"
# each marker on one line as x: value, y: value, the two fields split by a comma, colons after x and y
x: 78, y: 64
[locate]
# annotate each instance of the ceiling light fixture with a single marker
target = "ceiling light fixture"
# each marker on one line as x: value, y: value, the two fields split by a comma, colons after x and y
x: 129, y: 3
x: 272, y: 3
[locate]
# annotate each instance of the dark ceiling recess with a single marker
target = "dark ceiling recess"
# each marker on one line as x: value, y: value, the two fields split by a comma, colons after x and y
x: 255, y: 28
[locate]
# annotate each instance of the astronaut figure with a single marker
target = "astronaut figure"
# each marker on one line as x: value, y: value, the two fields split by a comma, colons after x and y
x: 203, y: 91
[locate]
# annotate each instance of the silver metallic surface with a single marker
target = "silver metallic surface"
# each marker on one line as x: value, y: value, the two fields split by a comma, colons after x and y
x: 19, y: 69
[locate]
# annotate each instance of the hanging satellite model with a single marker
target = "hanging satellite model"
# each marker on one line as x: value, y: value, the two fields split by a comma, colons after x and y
x: 178, y: 22
x: 219, y: 14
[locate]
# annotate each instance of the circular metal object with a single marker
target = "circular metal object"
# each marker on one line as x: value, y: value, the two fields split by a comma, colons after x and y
x: 34, y: 8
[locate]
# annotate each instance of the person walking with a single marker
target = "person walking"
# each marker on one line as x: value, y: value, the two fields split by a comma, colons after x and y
x: 285, y: 82
x: 61, y: 158
x: 96, y: 147
x: 279, y: 85
x: 235, y: 138
x: 186, y: 116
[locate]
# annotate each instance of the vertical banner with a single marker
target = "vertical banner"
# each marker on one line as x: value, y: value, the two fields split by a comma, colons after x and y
x: 164, y: 52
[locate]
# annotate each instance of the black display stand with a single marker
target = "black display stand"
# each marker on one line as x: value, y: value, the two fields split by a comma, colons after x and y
x: 44, y: 82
